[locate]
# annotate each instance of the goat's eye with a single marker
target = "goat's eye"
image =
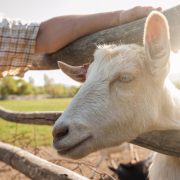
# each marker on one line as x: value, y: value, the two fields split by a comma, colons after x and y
x: 126, y: 77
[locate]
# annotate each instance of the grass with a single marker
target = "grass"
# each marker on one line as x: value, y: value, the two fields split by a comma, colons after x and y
x: 29, y: 135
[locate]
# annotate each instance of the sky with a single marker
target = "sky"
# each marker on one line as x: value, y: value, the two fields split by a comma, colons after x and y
x: 40, y: 10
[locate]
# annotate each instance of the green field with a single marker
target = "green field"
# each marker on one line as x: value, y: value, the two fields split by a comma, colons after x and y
x: 29, y: 135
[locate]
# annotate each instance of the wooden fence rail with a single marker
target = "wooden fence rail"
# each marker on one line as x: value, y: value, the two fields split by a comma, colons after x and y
x: 81, y: 51
x: 38, y: 118
x: 33, y: 166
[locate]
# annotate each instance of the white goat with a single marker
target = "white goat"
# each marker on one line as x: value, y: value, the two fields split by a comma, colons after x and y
x: 126, y: 93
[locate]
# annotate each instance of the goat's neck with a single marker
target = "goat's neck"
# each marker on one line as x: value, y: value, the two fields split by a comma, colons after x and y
x: 170, y: 113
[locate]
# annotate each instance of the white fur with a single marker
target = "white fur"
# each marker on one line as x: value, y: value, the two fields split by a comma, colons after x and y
x: 127, y: 92
x: 165, y: 168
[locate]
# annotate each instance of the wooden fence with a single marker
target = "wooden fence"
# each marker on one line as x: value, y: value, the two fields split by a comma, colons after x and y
x: 79, y: 52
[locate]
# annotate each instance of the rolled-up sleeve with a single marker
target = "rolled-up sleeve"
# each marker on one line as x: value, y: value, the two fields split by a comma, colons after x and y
x: 17, y: 46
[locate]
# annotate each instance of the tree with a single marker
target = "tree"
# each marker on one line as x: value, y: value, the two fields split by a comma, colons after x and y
x: 23, y: 87
x: 11, y: 86
x: 7, y: 86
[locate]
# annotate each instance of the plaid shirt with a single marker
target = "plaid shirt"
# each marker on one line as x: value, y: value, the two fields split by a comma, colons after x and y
x: 17, y: 45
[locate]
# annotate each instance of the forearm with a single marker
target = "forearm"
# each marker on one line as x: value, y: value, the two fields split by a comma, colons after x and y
x: 57, y: 32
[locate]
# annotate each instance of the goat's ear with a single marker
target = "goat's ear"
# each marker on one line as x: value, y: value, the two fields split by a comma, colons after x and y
x: 77, y: 73
x: 156, y: 41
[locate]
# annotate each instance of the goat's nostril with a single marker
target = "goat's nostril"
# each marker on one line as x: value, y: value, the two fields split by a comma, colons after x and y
x: 59, y: 133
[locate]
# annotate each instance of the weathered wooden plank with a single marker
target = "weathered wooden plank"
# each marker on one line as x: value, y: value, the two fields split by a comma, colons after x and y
x: 41, y: 118
x: 33, y: 166
x: 166, y: 142
x: 81, y: 51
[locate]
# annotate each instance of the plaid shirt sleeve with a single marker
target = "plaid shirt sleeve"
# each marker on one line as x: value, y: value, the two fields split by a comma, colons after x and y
x: 17, y: 46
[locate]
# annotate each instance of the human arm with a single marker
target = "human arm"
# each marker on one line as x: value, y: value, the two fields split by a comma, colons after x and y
x: 58, y: 32
x: 20, y: 42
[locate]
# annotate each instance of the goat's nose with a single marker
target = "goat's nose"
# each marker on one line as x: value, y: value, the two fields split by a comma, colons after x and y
x: 60, y: 132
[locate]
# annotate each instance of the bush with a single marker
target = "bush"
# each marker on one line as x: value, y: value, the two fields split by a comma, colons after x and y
x: 61, y: 91
x: 11, y: 86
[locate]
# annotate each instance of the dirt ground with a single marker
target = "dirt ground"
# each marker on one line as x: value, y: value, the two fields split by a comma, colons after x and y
x: 89, y: 166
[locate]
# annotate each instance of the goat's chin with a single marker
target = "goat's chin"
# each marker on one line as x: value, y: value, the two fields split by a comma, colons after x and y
x: 79, y: 151
x: 75, y: 155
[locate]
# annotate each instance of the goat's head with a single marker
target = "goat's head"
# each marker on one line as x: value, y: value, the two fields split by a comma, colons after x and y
x: 120, y: 96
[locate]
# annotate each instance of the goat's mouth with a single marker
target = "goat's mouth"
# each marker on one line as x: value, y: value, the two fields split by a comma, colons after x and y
x: 69, y: 150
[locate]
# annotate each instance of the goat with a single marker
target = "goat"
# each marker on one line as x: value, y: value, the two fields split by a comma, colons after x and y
x: 126, y: 93
x: 131, y: 171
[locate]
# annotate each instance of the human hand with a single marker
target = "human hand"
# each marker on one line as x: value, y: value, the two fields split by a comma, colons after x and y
x: 135, y: 13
